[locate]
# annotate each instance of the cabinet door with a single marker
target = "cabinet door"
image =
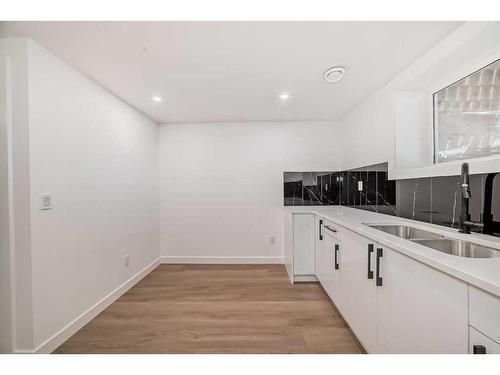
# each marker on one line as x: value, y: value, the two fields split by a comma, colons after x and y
x: 484, y: 312
x: 358, y: 299
x: 325, y: 264
x: 303, y: 244
x: 481, y: 344
x: 419, y: 309
x: 288, y: 243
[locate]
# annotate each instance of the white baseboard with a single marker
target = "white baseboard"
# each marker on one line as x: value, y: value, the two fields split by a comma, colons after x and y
x: 52, y: 343
x: 220, y: 260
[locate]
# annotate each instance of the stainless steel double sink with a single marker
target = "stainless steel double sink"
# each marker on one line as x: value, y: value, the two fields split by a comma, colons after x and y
x: 438, y: 242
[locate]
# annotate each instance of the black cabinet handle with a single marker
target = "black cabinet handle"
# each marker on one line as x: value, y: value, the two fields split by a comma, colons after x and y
x: 336, y: 256
x: 330, y: 228
x: 320, y: 225
x: 370, y: 252
x: 478, y: 349
x: 380, y: 254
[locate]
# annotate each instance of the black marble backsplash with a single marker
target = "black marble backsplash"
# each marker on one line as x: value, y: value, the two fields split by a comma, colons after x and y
x: 376, y: 192
x: 433, y: 200
x: 438, y: 199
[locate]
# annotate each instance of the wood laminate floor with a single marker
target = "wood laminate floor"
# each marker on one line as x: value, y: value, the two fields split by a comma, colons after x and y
x: 217, y: 309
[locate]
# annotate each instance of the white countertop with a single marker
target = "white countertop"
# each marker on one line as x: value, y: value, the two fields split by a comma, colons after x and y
x: 483, y: 273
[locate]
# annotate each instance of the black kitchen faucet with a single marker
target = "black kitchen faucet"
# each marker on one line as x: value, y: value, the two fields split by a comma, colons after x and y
x: 488, y: 225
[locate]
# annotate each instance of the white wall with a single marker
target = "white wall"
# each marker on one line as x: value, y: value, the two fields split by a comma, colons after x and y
x: 5, y: 283
x: 99, y: 158
x: 367, y: 132
x: 221, y: 185
x: 18, y: 251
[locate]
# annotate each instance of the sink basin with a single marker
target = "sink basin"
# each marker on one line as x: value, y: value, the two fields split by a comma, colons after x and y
x: 459, y: 248
x: 438, y: 242
x: 406, y: 232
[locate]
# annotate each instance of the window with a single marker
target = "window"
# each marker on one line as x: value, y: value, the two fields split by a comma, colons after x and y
x: 467, y: 116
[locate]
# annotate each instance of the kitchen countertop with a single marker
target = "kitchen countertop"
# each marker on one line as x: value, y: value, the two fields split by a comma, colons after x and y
x: 483, y: 273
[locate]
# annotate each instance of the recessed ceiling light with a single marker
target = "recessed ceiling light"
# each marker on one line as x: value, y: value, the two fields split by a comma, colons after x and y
x: 157, y: 99
x: 284, y: 97
x: 334, y: 74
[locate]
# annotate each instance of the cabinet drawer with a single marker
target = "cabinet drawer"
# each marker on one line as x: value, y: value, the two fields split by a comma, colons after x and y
x: 484, y: 312
x: 476, y: 338
x: 330, y: 228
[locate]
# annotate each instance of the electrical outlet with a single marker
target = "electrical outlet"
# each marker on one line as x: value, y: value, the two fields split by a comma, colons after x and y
x: 127, y: 260
x: 45, y: 201
x: 272, y: 240
x: 360, y: 185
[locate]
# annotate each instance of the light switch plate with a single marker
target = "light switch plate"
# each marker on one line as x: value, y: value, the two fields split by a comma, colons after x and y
x: 360, y: 185
x: 46, y: 201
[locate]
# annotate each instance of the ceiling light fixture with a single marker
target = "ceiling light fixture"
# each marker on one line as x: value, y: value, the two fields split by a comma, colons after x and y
x: 157, y: 99
x: 284, y: 97
x: 334, y: 74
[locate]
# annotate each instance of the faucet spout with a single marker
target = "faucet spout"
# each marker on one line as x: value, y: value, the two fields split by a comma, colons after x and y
x: 464, y: 212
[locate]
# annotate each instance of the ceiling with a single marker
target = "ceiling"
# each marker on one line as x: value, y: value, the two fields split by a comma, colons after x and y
x: 235, y: 71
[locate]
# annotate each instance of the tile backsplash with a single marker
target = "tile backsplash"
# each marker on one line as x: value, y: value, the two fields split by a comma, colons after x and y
x: 438, y: 199
x: 366, y: 188
x: 434, y: 200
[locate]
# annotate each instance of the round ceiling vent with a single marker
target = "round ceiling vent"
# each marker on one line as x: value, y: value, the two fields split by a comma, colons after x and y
x: 334, y: 74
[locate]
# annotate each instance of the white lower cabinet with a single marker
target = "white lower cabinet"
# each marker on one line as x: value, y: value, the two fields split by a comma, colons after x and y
x: 359, y: 305
x: 395, y: 304
x: 299, y: 245
x: 328, y: 260
x: 482, y: 344
x: 288, y: 243
x: 484, y: 312
x: 419, y: 309
x: 303, y: 244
